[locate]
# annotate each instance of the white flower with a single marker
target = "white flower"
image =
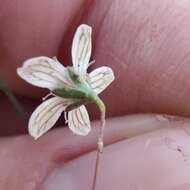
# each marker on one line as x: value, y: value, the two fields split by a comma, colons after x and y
x: 71, y: 87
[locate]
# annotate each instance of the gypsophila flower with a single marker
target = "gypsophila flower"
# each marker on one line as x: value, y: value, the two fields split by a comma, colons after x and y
x: 71, y: 87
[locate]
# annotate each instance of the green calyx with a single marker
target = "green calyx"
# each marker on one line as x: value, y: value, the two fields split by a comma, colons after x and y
x: 82, y: 92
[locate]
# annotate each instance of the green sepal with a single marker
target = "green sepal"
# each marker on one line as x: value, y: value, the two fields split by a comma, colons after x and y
x: 70, y: 93
x: 82, y: 92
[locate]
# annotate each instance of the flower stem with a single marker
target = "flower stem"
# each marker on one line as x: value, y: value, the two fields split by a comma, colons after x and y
x: 100, y: 142
x: 4, y: 88
x: 96, y: 170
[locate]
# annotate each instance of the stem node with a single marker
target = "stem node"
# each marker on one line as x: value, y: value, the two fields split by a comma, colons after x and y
x: 100, y: 145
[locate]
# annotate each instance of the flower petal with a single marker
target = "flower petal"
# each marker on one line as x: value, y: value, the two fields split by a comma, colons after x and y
x: 81, y: 48
x: 45, y: 72
x: 100, y: 78
x: 46, y: 115
x: 78, y: 121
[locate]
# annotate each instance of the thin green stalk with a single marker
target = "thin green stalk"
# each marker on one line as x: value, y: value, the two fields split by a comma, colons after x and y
x: 6, y: 90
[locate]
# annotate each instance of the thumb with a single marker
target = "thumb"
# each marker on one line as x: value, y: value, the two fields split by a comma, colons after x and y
x: 125, y: 163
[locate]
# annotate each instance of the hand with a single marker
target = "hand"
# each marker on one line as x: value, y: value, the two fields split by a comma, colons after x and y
x: 146, y: 44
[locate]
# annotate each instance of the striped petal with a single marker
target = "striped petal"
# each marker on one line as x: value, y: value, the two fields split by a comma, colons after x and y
x: 78, y: 121
x: 46, y: 115
x: 45, y: 72
x: 81, y: 48
x: 100, y: 78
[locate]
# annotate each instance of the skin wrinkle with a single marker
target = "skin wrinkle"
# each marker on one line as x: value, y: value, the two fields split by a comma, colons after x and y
x: 141, y: 83
x: 175, y: 66
x: 154, y: 79
x: 175, y: 144
x: 104, y: 49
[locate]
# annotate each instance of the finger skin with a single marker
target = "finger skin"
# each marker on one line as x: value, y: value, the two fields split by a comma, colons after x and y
x: 145, y: 42
x: 147, y: 45
x: 32, y: 28
x: 124, y: 164
x: 131, y: 164
x: 45, y: 164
